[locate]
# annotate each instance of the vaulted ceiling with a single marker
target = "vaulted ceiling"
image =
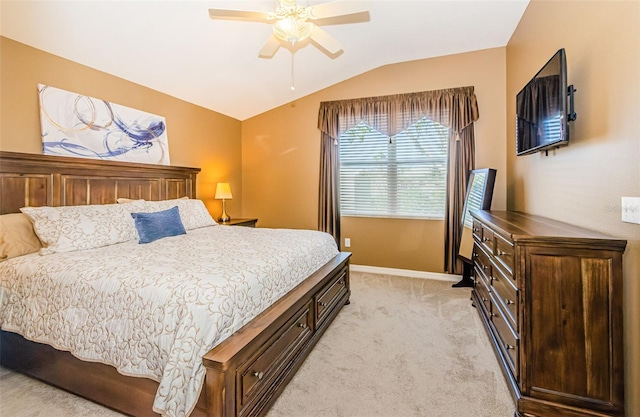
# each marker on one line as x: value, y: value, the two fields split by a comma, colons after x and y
x: 176, y: 48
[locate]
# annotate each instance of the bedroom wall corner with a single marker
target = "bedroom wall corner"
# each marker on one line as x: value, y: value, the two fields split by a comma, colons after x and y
x: 198, y: 137
x: 583, y: 183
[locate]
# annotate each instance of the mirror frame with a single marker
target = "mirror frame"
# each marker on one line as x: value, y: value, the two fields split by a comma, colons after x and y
x: 486, y: 198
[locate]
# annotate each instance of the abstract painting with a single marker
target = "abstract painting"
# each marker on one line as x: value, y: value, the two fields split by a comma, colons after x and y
x: 85, y: 127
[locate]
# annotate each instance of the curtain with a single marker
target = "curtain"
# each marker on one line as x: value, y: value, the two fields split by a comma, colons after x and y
x: 329, y: 210
x: 461, y: 162
x: 455, y: 108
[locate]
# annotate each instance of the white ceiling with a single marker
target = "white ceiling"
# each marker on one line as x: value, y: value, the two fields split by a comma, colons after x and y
x: 174, y: 47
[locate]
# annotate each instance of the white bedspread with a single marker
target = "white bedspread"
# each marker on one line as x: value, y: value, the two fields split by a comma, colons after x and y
x: 154, y: 310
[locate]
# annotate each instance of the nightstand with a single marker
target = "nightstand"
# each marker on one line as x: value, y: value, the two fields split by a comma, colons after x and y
x: 240, y: 222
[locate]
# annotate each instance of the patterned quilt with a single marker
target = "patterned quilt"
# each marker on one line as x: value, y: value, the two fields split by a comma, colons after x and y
x: 154, y: 310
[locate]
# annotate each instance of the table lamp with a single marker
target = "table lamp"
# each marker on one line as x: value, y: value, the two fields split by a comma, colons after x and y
x: 223, y: 192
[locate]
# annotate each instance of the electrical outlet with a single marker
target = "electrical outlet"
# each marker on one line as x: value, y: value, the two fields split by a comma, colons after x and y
x: 631, y: 209
x: 347, y: 242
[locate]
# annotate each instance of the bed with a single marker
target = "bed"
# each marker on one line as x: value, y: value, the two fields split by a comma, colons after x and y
x: 245, y: 372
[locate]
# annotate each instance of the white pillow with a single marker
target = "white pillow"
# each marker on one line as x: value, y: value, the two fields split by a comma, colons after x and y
x: 122, y: 200
x: 193, y: 213
x: 71, y: 228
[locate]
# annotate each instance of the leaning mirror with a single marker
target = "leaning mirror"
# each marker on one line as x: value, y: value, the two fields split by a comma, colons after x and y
x: 478, y: 197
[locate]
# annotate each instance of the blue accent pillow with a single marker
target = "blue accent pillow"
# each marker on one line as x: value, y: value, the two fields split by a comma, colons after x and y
x: 154, y: 226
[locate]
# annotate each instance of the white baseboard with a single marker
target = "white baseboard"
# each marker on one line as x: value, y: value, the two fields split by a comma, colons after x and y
x: 405, y: 273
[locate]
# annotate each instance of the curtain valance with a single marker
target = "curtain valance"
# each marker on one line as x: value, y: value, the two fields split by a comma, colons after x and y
x: 455, y: 108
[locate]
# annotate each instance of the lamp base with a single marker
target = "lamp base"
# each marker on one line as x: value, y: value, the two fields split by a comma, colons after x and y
x: 224, y: 217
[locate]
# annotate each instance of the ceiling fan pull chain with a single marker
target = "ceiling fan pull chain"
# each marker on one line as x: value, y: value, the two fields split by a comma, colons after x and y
x: 293, y: 86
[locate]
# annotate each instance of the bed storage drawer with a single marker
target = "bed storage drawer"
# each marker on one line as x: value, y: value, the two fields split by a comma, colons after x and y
x: 249, y: 370
x: 330, y: 295
x: 261, y: 370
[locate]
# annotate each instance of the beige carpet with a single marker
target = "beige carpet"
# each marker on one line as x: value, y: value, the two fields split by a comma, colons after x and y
x: 404, y: 347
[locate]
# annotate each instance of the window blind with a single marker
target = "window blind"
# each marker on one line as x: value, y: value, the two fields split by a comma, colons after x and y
x: 401, y: 176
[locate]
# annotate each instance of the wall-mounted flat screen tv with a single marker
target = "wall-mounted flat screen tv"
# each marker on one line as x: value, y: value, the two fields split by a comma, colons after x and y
x: 542, y: 108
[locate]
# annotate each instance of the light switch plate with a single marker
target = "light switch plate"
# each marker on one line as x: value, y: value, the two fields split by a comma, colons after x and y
x: 631, y: 209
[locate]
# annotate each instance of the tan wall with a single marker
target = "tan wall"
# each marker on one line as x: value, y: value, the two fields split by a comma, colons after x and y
x: 281, y: 153
x: 582, y: 183
x: 197, y: 137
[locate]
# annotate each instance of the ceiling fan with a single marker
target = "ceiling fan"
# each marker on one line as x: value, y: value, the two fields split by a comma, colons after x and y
x: 292, y: 22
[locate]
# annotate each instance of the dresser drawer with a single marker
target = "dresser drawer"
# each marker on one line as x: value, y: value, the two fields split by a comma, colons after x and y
x: 507, y: 339
x: 504, y: 254
x: 477, y: 231
x: 486, y: 238
x: 483, y: 295
x: 331, y: 294
x: 506, y: 294
x: 482, y: 265
x: 261, y: 371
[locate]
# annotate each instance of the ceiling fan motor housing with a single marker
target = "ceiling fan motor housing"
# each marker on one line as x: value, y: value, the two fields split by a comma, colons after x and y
x: 292, y: 25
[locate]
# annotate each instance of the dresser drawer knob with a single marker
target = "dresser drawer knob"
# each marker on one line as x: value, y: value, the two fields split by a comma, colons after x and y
x: 476, y: 230
x: 494, y: 315
x: 485, y: 299
x: 343, y: 282
x: 494, y: 279
x: 485, y: 239
x: 303, y: 325
x: 258, y: 375
x: 500, y: 253
x: 510, y: 301
x: 509, y: 347
x: 485, y: 267
x: 322, y: 304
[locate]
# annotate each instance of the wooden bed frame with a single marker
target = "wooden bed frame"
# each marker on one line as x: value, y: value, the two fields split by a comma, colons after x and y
x: 244, y: 374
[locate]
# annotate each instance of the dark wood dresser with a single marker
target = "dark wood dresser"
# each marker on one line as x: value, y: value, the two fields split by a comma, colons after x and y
x: 550, y: 296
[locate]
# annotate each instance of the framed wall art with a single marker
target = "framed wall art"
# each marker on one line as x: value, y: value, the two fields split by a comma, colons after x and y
x: 81, y: 126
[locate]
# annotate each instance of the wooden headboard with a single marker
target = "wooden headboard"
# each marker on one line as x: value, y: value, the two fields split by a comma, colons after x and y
x: 43, y: 180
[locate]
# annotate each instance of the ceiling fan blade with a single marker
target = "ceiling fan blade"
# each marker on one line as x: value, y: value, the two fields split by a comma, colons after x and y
x: 337, y: 8
x: 239, y: 15
x: 325, y: 41
x: 270, y: 48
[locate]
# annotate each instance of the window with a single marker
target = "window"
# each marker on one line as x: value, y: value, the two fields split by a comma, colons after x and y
x: 402, y: 176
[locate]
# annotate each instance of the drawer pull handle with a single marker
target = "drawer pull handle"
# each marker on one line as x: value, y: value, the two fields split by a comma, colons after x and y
x: 510, y: 302
x: 485, y: 239
x: 322, y: 304
x: 342, y: 282
x: 258, y: 375
x: 494, y: 279
x: 485, y: 299
x: 485, y: 267
x: 500, y: 253
x: 475, y: 255
x: 475, y: 229
x: 509, y: 347
x: 303, y: 325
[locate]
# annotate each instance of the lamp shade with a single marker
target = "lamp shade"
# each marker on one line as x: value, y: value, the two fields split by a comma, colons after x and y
x: 223, y: 191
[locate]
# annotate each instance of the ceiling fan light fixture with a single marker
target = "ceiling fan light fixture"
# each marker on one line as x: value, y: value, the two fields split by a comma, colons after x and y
x: 292, y: 30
